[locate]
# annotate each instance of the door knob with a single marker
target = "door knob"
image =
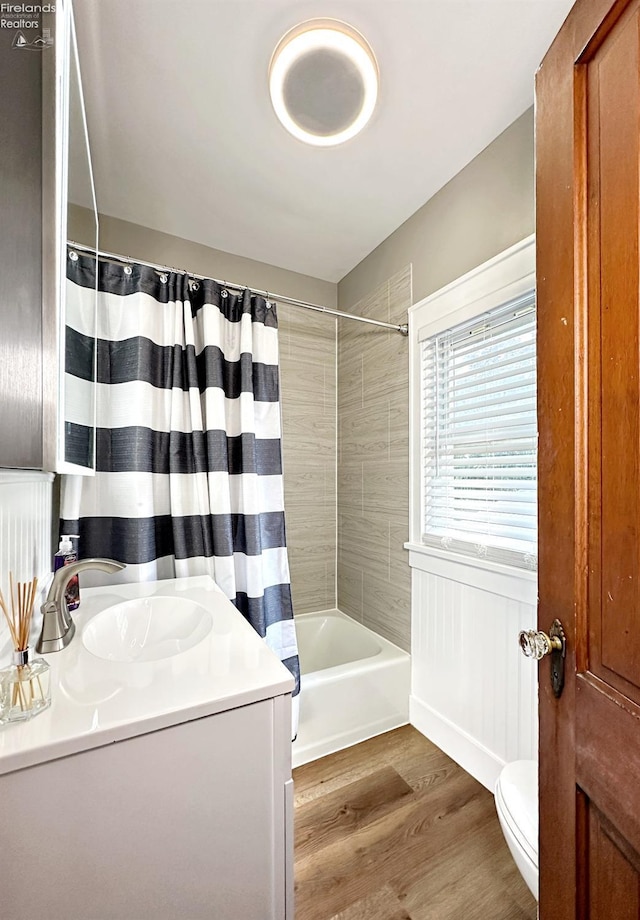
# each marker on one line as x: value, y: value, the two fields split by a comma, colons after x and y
x: 537, y: 644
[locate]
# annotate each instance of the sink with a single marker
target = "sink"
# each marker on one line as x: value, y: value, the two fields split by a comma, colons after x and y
x: 147, y: 629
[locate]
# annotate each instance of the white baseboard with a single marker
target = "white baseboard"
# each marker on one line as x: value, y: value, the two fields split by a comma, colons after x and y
x: 472, y: 756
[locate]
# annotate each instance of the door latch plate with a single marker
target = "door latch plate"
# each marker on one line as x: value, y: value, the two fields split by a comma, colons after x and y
x: 557, y: 656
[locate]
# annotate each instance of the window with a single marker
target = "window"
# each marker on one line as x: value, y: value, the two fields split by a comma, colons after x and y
x: 473, y: 427
x: 479, y: 435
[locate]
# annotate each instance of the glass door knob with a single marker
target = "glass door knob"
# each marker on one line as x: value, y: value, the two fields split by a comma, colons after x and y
x: 537, y: 644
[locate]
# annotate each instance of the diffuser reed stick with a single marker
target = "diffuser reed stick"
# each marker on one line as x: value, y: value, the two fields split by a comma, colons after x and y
x: 25, y: 688
x: 22, y: 601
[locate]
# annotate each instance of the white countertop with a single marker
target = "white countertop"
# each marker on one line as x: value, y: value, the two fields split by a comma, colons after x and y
x: 96, y: 702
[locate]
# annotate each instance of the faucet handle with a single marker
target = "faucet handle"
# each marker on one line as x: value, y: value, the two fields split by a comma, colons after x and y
x: 58, y: 628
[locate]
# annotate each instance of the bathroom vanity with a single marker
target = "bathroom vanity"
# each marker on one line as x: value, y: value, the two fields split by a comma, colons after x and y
x: 158, y: 785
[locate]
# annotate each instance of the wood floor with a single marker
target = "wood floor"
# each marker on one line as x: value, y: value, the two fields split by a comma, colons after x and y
x: 392, y: 829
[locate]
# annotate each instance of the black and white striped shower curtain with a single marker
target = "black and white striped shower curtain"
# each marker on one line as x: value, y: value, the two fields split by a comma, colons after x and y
x: 188, y: 438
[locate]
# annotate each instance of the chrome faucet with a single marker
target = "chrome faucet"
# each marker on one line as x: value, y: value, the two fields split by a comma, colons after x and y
x: 58, y: 628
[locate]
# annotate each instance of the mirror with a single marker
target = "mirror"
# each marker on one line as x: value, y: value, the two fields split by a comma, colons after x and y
x: 47, y: 410
x: 77, y: 396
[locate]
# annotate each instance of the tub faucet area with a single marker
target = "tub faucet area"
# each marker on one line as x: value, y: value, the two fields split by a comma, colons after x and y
x: 58, y: 628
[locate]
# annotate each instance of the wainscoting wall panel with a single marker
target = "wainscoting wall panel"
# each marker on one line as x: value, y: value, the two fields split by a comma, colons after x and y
x: 25, y: 535
x: 473, y: 693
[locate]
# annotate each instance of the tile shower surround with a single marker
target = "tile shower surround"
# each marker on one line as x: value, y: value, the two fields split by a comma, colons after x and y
x: 348, y: 450
x: 308, y: 393
x: 373, y: 464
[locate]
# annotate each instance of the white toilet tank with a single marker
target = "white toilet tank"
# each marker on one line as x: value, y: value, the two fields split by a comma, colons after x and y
x: 517, y: 806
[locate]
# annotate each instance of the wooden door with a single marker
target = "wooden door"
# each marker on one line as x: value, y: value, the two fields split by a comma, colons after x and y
x: 588, y: 213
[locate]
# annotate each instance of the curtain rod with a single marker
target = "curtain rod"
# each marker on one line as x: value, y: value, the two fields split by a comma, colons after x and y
x: 116, y: 259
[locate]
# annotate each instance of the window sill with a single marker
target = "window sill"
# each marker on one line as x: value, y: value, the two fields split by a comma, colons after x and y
x: 505, y: 580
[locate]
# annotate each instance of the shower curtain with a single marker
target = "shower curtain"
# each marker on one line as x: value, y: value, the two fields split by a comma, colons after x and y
x: 188, y: 438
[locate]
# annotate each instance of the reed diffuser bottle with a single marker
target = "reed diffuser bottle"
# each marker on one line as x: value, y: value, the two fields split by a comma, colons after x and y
x: 25, y: 686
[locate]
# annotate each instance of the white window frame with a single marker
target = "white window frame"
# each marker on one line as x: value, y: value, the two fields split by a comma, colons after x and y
x: 507, y: 276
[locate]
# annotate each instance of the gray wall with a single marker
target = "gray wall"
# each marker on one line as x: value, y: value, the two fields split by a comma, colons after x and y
x: 138, y: 242
x: 486, y: 208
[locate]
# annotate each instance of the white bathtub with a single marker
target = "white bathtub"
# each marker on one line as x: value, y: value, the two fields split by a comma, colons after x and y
x: 354, y: 684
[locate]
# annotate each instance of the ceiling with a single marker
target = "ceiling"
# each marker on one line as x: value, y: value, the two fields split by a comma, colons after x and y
x: 184, y: 139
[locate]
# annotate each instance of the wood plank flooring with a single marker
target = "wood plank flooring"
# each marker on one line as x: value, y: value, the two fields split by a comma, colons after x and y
x: 393, y: 829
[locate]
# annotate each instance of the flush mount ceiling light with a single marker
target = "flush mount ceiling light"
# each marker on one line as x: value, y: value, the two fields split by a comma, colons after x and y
x: 323, y: 80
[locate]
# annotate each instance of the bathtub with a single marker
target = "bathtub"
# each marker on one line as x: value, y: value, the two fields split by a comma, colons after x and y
x: 354, y: 684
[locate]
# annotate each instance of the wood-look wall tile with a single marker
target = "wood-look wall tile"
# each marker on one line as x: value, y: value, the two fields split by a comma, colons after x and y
x: 386, y: 486
x: 376, y: 304
x: 400, y: 295
x: 308, y: 386
x: 398, y: 349
x: 363, y: 541
x: 304, y: 474
x: 309, y: 324
x: 398, y: 414
x: 331, y: 389
x: 308, y: 369
x: 319, y: 524
x: 307, y: 435
x: 310, y: 585
x: 350, y: 393
x: 398, y: 556
x: 363, y: 434
x: 303, y: 547
x: 387, y: 609
x: 373, y: 373
x: 385, y: 374
x: 331, y: 486
x: 350, y: 590
x: 350, y: 487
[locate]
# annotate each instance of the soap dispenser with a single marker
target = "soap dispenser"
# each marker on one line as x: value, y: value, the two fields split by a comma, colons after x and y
x: 65, y: 556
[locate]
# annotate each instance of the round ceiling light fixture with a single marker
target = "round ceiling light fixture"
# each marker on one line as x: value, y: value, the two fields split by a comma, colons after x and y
x: 323, y: 80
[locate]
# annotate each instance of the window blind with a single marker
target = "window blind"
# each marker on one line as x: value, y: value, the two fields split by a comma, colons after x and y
x: 480, y: 436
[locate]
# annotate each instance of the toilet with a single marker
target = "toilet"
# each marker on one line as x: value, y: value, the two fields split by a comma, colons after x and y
x: 517, y: 806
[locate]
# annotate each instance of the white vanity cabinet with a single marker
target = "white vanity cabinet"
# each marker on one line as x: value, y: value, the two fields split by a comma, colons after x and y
x: 189, y: 820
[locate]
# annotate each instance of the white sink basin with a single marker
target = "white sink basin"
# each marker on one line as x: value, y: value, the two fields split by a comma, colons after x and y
x: 147, y: 629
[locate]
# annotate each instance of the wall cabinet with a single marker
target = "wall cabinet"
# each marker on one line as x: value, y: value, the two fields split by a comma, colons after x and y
x: 41, y: 96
